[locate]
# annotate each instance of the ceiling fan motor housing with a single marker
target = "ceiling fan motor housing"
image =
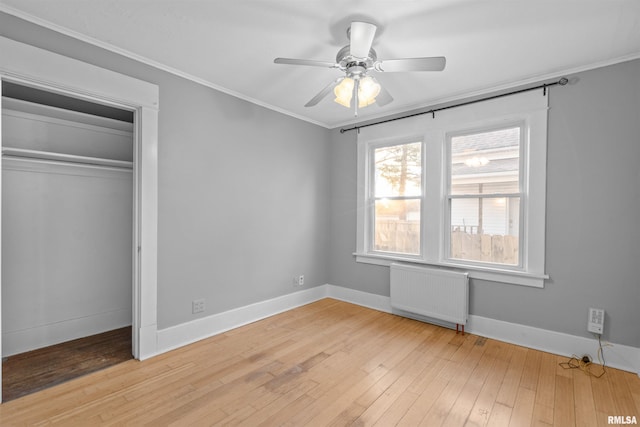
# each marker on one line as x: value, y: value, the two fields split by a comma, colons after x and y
x: 355, y: 67
x: 356, y: 60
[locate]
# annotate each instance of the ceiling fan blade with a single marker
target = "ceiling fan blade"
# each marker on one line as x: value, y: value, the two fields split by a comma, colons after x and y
x: 384, y: 97
x: 308, y: 62
x: 323, y: 93
x: 434, y: 63
x: 361, y: 35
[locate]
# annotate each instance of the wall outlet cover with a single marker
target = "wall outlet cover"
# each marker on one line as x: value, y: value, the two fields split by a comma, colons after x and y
x: 197, y: 306
x: 595, y: 322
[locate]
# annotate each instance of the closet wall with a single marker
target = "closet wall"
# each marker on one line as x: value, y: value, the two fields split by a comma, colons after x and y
x: 67, y: 210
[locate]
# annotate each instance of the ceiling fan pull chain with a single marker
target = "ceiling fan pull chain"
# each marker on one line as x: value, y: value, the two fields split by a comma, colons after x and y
x: 355, y: 60
x: 356, y: 87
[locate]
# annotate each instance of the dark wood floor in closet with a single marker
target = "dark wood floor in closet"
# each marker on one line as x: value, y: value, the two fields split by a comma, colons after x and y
x: 35, y: 370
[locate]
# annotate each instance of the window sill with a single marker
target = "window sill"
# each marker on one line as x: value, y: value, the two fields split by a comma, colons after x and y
x: 475, y: 272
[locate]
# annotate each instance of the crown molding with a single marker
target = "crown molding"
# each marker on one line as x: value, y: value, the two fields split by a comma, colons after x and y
x: 150, y: 62
x: 397, y: 111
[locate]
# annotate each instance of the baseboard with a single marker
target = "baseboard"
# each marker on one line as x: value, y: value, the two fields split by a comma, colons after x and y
x: 364, y: 299
x: 190, y: 332
x: 618, y: 356
x: 16, y: 342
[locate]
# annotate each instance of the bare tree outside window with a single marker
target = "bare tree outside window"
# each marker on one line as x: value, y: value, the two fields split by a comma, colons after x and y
x: 397, y: 193
x: 465, y: 190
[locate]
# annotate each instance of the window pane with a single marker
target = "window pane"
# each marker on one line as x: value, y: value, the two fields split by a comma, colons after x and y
x: 486, y: 229
x: 397, y: 226
x: 486, y: 162
x: 398, y: 170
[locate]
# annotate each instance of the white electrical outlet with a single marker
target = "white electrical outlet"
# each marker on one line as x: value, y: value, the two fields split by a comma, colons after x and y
x: 301, y: 280
x: 596, y: 320
x: 197, y: 306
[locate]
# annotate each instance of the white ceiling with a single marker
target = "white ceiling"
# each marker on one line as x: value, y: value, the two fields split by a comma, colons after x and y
x: 230, y: 45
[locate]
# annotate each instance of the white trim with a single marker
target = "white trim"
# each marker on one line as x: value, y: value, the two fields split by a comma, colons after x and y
x: 48, y: 114
x: 364, y: 299
x: 475, y: 272
x: 401, y: 109
x: 158, y: 65
x: 205, y: 327
x: 145, y: 295
x: 50, y: 71
x: 521, y: 195
x: 32, y: 66
x: 430, y: 103
x: 528, y: 109
x: 16, y: 342
x: 618, y: 356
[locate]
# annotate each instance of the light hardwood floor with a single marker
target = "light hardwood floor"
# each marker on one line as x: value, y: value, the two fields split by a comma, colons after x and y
x: 334, y: 363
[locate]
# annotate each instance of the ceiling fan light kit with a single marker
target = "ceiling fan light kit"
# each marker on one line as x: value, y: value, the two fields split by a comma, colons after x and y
x: 344, y: 92
x: 363, y: 89
x: 368, y: 90
x: 356, y: 60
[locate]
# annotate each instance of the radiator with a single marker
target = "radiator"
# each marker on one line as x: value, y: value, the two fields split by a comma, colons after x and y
x: 431, y: 292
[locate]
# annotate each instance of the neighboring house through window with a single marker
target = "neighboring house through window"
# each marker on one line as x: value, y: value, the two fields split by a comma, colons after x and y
x: 464, y: 189
x: 484, y: 194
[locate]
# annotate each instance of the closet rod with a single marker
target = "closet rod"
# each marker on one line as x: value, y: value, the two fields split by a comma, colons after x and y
x: 65, y: 158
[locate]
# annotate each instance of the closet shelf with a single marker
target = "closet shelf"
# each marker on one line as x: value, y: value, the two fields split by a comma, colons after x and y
x: 67, y: 158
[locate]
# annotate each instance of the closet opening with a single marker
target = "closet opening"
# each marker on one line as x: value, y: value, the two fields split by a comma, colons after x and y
x: 68, y: 223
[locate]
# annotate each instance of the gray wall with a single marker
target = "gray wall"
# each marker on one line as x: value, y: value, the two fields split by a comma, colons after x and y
x: 246, y: 203
x: 593, y: 206
x: 243, y: 191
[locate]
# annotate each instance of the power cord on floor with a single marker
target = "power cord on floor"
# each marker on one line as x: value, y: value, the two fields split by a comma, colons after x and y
x: 584, y: 363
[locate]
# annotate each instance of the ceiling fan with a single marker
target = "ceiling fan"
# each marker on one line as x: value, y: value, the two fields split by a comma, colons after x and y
x: 358, y: 59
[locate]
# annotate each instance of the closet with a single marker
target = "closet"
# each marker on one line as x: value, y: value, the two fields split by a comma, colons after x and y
x: 67, y: 218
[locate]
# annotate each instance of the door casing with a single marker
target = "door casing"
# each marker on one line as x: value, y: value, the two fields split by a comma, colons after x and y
x: 31, y: 66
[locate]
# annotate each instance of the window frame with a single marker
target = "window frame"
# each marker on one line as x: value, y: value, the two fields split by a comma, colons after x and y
x: 371, y: 195
x: 529, y: 109
x: 522, y: 194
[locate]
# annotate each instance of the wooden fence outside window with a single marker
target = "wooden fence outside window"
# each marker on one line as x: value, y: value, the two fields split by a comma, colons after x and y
x: 404, y: 237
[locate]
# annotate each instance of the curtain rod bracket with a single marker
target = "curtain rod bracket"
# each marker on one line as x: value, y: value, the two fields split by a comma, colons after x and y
x: 562, y: 82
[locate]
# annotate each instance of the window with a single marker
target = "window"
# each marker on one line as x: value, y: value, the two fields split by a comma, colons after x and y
x: 397, y: 193
x: 465, y: 190
x: 484, y: 193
